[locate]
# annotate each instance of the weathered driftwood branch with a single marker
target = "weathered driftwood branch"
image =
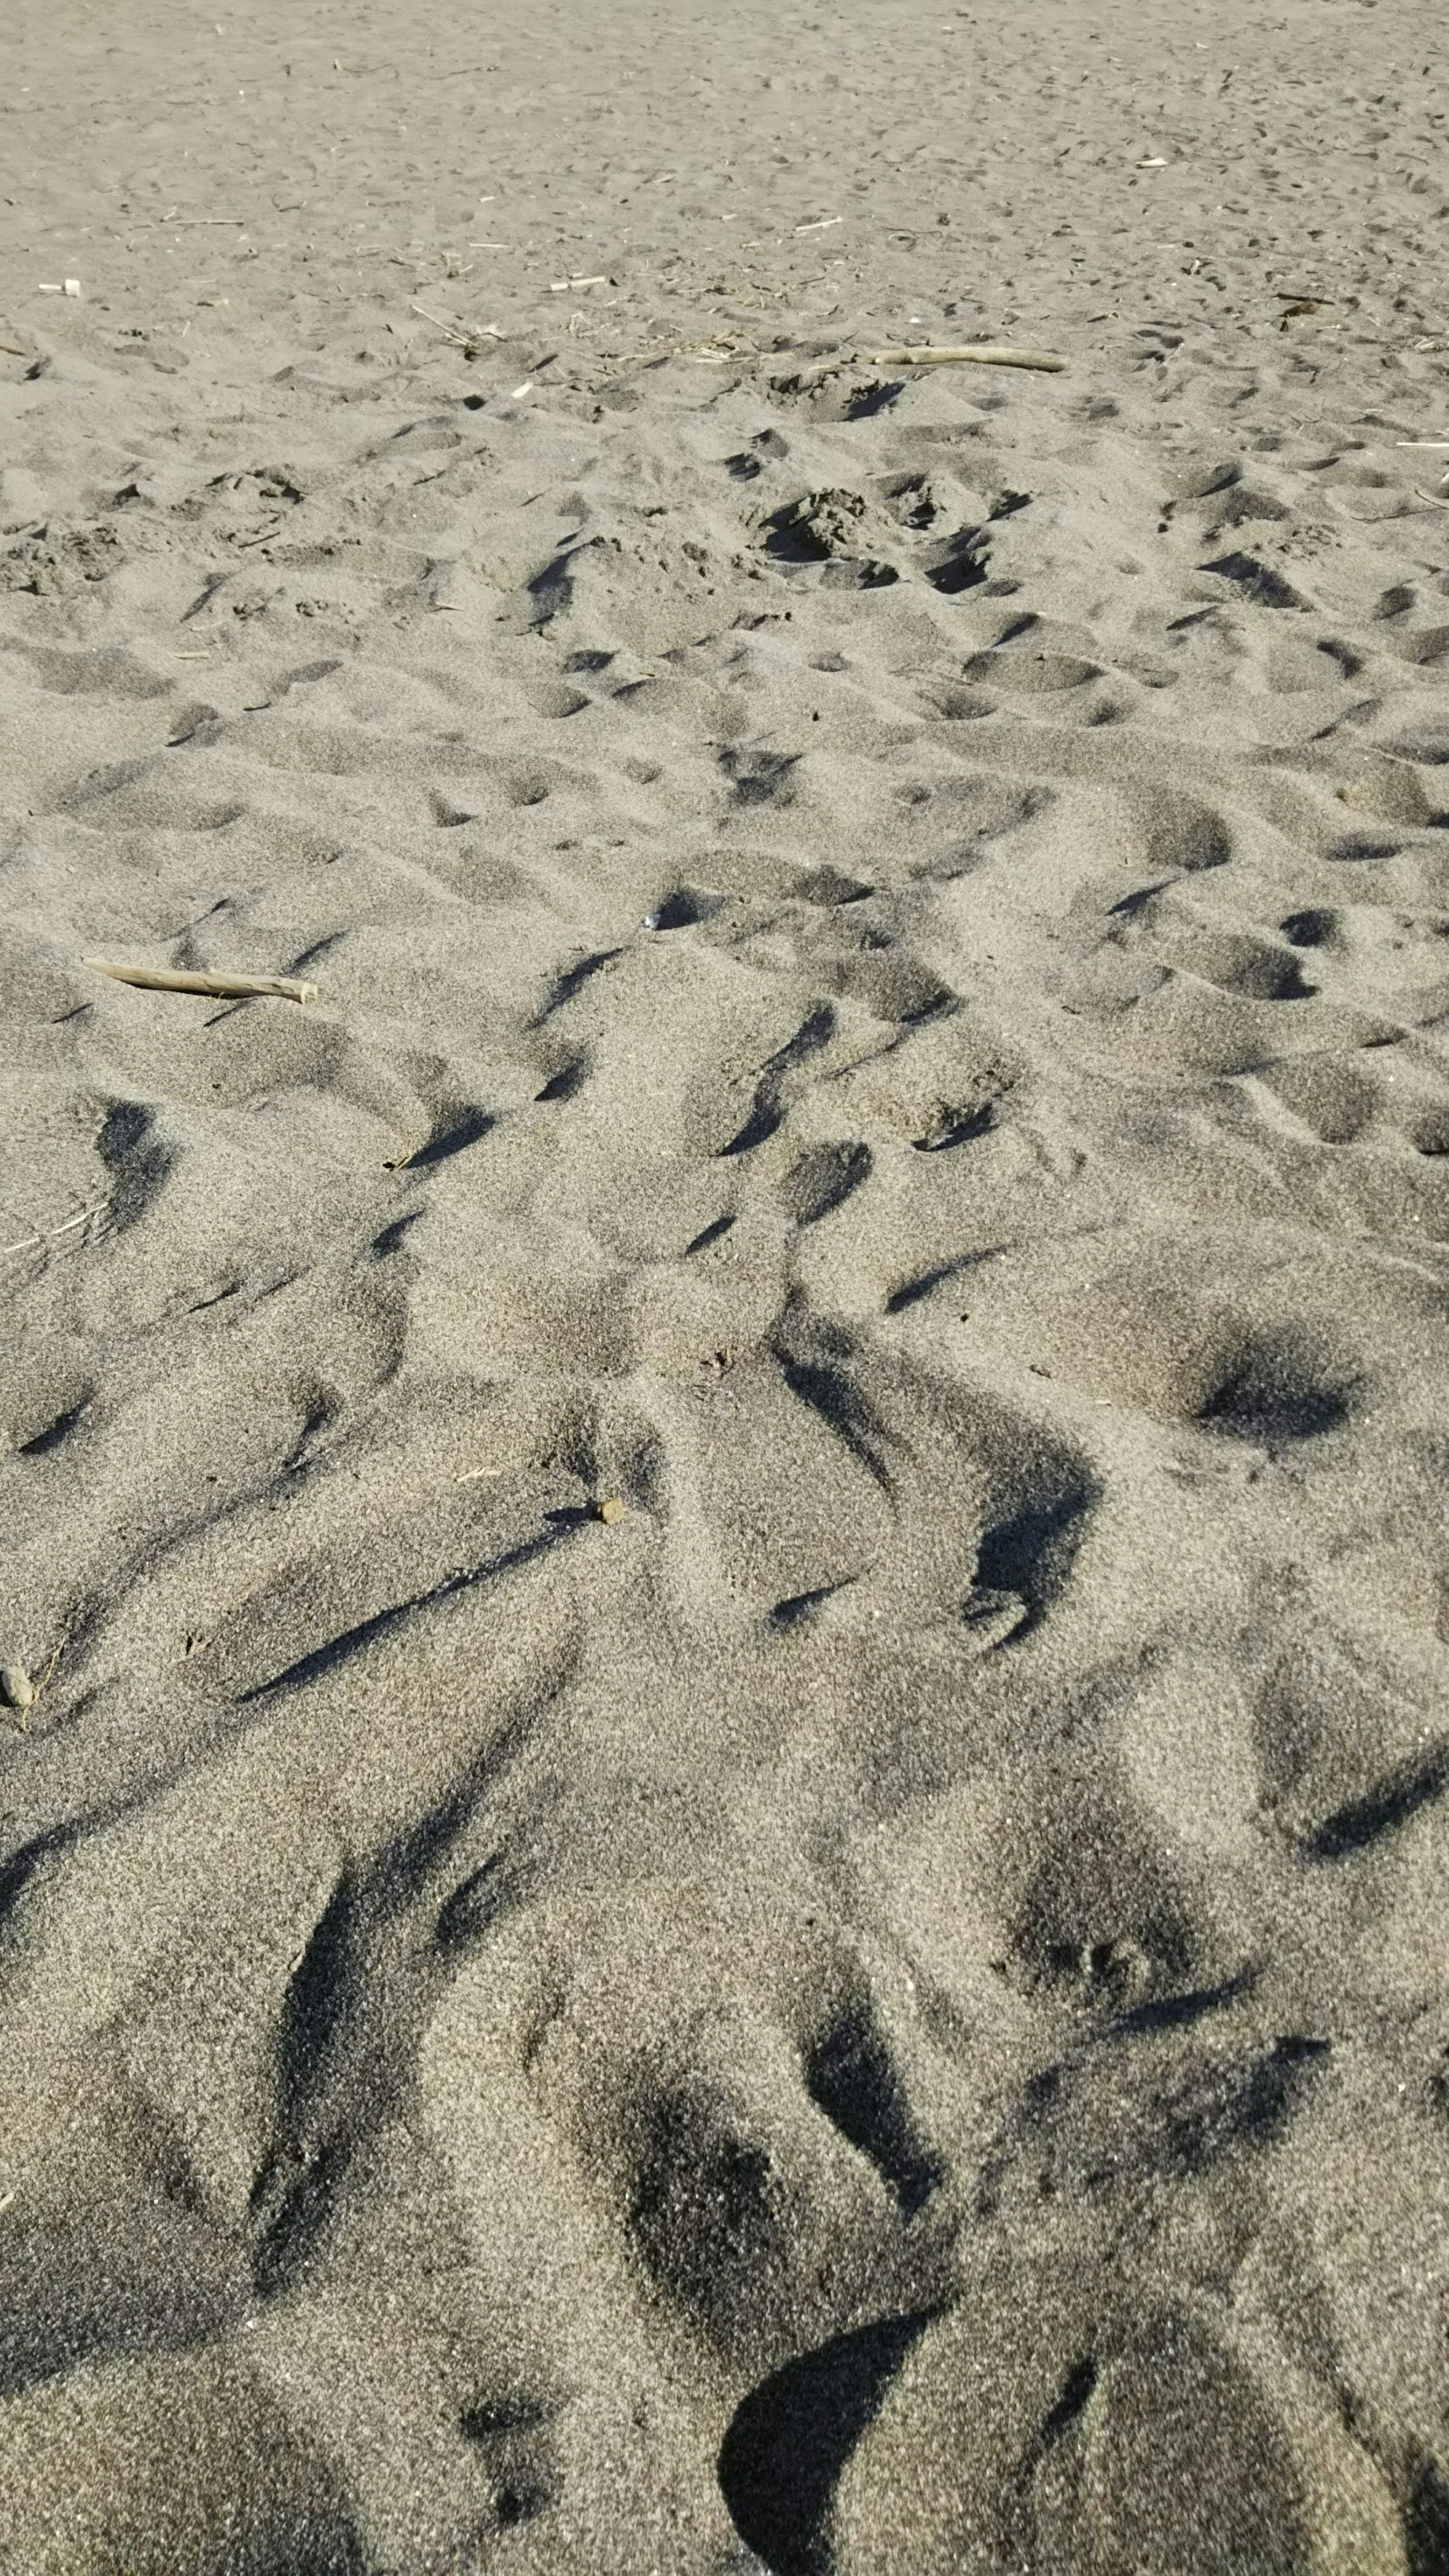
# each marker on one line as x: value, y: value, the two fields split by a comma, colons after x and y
x: 975, y: 357
x: 167, y: 979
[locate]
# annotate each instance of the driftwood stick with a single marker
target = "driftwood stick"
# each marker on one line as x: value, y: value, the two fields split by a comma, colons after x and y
x: 166, y: 979
x: 980, y: 357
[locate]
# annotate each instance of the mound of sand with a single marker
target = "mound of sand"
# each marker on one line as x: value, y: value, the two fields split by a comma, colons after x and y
x: 883, y: 956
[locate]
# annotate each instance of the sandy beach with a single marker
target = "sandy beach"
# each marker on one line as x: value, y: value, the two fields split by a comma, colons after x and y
x: 723, y: 1812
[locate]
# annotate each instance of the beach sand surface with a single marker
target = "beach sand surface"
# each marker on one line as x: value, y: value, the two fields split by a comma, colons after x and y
x: 881, y: 939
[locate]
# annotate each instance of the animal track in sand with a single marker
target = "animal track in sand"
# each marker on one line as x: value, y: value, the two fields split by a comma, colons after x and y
x: 766, y: 448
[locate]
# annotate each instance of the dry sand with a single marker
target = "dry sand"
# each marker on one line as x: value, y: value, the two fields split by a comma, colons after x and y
x: 883, y: 946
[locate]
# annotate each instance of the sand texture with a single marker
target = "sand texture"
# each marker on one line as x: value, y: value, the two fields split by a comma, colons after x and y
x: 882, y: 955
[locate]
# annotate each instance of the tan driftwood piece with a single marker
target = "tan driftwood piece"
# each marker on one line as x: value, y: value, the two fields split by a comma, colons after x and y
x: 167, y: 979
x: 982, y: 357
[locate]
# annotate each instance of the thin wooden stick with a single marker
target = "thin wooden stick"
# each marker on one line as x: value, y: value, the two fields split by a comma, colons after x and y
x: 982, y: 357
x: 166, y: 979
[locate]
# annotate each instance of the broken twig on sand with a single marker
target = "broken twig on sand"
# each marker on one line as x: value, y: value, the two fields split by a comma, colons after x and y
x: 470, y: 342
x: 167, y: 979
x: 976, y: 357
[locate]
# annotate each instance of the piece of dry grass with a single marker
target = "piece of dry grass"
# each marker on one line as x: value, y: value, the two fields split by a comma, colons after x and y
x: 472, y: 343
x: 32, y: 1242
x: 170, y: 979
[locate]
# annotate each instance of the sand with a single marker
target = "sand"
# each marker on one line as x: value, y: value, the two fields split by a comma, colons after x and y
x: 882, y: 945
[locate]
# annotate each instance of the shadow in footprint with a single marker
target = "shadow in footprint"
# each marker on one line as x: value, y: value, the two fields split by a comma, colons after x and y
x: 569, y: 1078
x: 1389, y: 1803
x: 824, y: 1179
x: 573, y: 980
x: 1276, y: 1391
x: 684, y: 908
x: 51, y: 1435
x: 138, y: 1159
x: 830, y: 888
x: 293, y: 2193
x: 911, y: 1291
x: 767, y: 1112
x: 801, y: 1607
x: 851, y: 2074
x: 451, y: 1135
x: 842, y: 1408
x: 1311, y: 929
x: 710, y: 1234
x: 1256, y: 581
x: 760, y: 777
x: 1030, y: 1553
x: 956, y: 1127
x: 958, y: 563
x: 1426, y: 2522
x: 782, y: 2457
x: 867, y: 400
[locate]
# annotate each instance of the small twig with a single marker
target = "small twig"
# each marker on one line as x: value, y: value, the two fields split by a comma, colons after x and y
x: 11, y: 351
x: 460, y: 339
x: 30, y: 1242
x: 1399, y: 442
x: 167, y: 979
x: 1433, y: 499
x: 982, y: 357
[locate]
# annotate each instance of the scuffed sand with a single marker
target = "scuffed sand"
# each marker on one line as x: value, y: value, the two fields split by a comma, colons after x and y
x: 883, y: 946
